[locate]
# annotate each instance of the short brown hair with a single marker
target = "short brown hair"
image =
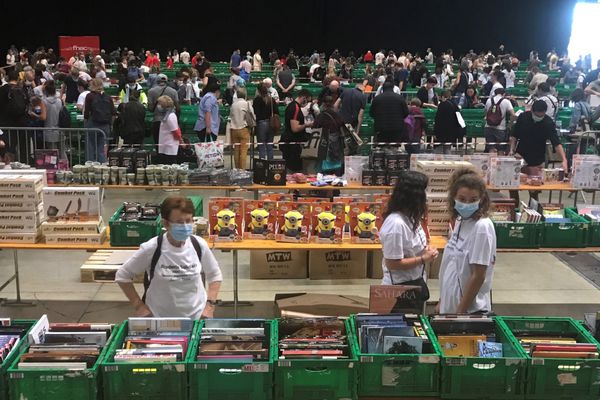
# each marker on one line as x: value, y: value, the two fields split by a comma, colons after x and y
x: 468, y: 177
x: 180, y: 203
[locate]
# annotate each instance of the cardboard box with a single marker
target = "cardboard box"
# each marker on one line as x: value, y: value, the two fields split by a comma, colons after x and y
x: 382, y: 298
x: 20, y: 196
x: 17, y: 182
x: 318, y: 304
x: 328, y: 220
x: 293, y: 222
x: 586, y: 172
x: 72, y: 203
x: 374, y: 269
x: 269, y: 172
x: 27, y: 172
x: 440, y: 168
x: 505, y: 172
x: 46, y: 158
x: 226, y: 218
x: 26, y: 205
x: 260, y: 218
x: 437, y: 201
x: 29, y: 221
x: 481, y: 162
x: 19, y: 237
x: 273, y: 264
x: 365, y: 222
x: 73, y: 228
x: 95, y: 239
x: 337, y: 264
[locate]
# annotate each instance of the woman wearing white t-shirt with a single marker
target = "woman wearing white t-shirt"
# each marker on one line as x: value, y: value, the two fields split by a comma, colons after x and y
x: 468, y: 262
x: 169, y: 134
x: 174, y: 286
x: 405, y: 248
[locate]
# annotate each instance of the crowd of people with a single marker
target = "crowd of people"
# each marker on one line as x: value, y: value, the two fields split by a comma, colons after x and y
x: 30, y: 98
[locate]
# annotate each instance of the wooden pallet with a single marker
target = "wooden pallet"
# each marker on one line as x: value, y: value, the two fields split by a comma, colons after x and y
x: 97, y: 269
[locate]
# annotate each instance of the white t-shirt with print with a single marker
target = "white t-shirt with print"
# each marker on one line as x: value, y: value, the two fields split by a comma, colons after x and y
x: 167, y: 144
x: 472, y: 242
x: 399, y: 241
x: 176, y: 289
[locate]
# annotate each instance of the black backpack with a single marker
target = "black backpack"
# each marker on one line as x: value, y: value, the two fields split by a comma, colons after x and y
x: 102, y: 109
x: 148, y: 276
x: 64, y: 119
x: 16, y: 105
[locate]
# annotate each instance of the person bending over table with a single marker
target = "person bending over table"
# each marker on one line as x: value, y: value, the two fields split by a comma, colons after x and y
x: 532, y: 130
x: 174, y: 287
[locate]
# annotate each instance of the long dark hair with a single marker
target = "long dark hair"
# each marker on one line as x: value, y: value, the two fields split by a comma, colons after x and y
x: 409, y: 197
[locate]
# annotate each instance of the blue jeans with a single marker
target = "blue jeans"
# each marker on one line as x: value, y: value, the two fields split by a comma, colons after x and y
x: 96, y: 141
x: 264, y: 134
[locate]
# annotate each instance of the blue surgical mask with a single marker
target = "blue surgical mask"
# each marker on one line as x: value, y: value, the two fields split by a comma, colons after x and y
x: 181, y: 232
x: 466, y: 210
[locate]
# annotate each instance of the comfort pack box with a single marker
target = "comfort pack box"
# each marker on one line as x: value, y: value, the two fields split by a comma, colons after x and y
x: 337, y: 264
x: 27, y: 172
x: 19, y: 237
x: 66, y: 238
x: 11, y: 196
x: 18, y: 205
x: 21, y: 182
x: 73, y: 228
x: 274, y: 264
x: 72, y: 203
x: 27, y: 221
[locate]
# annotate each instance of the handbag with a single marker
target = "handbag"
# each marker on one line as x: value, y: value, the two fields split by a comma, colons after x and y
x: 249, y: 116
x: 351, y: 140
x: 416, y: 301
x: 274, y: 121
x: 209, y: 153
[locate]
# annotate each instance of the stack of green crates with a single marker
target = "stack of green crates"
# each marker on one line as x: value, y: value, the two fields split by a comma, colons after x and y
x: 198, y: 205
x: 14, y: 354
x: 557, y: 378
x: 475, y: 121
x: 479, y: 377
x: 150, y: 381
x: 59, y: 384
x: 593, y: 239
x: 313, y: 379
x: 418, y: 374
x: 132, y: 233
x: 233, y: 380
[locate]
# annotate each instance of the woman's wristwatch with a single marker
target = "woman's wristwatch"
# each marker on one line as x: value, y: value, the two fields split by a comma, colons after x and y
x: 212, y: 302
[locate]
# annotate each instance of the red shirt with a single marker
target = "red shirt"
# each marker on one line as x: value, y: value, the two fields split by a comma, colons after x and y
x: 170, y: 63
x: 368, y: 57
x: 194, y: 61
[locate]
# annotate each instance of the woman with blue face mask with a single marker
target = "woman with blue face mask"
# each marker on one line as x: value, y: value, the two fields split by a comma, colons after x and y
x: 468, y: 262
x: 174, y: 287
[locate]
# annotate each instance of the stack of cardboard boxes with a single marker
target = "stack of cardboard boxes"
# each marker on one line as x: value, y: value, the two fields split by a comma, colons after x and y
x: 21, y: 207
x: 439, y: 173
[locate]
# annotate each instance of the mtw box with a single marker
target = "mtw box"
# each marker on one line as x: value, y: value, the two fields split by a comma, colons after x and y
x: 337, y: 264
x: 274, y: 264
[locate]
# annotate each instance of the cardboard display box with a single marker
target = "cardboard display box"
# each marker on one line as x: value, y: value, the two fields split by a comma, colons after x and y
x: 28, y: 220
x: 27, y: 172
x: 269, y: 172
x: 20, y: 196
x: 67, y: 238
x: 337, y: 264
x: 73, y: 228
x: 72, y: 203
x: 318, y: 304
x: 19, y: 237
x: 505, y: 172
x: 11, y: 206
x: 267, y: 264
x: 21, y: 182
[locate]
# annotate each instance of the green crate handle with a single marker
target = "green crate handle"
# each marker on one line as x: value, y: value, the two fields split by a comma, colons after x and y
x: 316, y: 369
x: 487, y: 366
x: 393, y: 362
x: 229, y: 371
x: 568, y: 368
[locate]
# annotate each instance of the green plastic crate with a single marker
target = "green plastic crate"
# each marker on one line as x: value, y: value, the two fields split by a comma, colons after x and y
x: 558, y: 378
x: 484, y: 378
x: 317, y: 379
x: 132, y: 233
x: 418, y: 375
x: 56, y: 384
x: 13, y: 355
x: 593, y: 237
x: 148, y: 381
x: 517, y: 236
x: 233, y: 381
x: 566, y: 235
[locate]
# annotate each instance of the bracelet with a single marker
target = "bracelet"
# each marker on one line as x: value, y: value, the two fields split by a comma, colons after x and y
x: 211, y: 302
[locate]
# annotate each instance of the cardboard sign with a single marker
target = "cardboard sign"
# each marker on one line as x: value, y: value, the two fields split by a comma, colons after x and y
x: 386, y: 299
x: 69, y: 45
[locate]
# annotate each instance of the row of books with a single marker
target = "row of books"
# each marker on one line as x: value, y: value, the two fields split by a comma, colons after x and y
x: 70, y: 346
x: 155, y: 340
x: 392, y: 334
x: 467, y: 336
x: 233, y: 341
x: 313, y: 338
x: 589, y: 210
x: 557, y: 346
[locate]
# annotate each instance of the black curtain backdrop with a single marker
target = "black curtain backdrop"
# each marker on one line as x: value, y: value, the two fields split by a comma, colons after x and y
x: 218, y: 27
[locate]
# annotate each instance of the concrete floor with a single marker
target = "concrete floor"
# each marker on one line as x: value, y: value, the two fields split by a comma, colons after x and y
x: 524, y: 284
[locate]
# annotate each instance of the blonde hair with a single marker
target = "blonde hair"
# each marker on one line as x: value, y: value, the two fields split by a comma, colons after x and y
x: 241, y: 93
x: 468, y: 177
x: 96, y: 85
x: 166, y: 102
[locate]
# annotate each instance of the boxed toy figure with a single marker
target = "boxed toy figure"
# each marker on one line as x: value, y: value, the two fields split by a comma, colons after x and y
x: 293, y: 222
x: 365, y: 222
x: 260, y: 218
x: 328, y: 221
x: 225, y: 218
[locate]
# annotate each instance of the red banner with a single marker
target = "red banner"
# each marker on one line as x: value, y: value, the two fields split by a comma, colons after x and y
x: 70, y: 45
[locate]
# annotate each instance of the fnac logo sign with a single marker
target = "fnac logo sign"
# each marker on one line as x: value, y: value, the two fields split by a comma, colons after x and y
x: 70, y: 45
